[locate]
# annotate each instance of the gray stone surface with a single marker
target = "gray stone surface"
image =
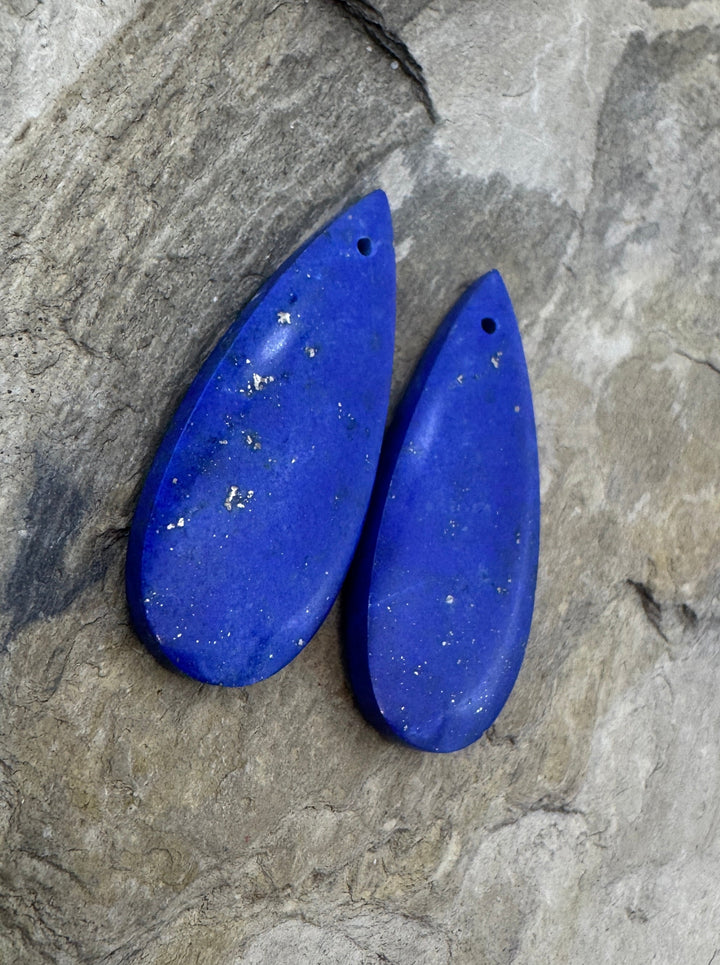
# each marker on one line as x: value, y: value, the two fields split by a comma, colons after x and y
x: 158, y: 161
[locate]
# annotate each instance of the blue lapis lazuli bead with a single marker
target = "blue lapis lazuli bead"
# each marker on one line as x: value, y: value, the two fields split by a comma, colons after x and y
x: 441, y: 593
x: 252, y: 509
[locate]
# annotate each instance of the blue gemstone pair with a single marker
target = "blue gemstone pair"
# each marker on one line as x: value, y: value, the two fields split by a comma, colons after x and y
x: 273, y: 477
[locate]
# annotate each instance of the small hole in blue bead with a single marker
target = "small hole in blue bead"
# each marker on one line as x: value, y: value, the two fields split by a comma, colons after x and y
x: 364, y: 246
x: 488, y: 325
x: 292, y: 298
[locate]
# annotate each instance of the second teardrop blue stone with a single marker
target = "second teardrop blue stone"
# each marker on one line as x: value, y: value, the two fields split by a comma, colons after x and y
x: 251, y: 511
x: 441, y: 592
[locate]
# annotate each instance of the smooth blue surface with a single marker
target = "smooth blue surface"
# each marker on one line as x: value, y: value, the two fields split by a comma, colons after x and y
x: 441, y: 592
x: 252, y: 508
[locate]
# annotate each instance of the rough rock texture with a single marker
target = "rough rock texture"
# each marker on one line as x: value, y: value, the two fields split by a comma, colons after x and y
x: 159, y: 160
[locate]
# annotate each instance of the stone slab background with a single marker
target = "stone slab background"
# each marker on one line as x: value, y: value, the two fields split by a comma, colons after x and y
x: 157, y: 161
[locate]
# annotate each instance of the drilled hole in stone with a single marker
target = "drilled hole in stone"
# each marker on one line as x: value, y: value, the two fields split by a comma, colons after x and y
x: 488, y: 325
x: 364, y: 246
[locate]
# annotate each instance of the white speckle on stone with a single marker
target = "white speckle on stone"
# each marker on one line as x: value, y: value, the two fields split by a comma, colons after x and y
x: 283, y: 318
x: 495, y: 360
x: 181, y: 521
x: 460, y: 379
x: 253, y: 441
x: 229, y: 499
x: 394, y: 65
x: 170, y: 526
x: 260, y: 381
x: 310, y: 351
x: 517, y: 408
x: 449, y: 598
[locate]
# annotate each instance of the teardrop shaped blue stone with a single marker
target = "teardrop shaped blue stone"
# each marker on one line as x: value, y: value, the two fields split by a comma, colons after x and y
x: 251, y: 511
x: 441, y: 592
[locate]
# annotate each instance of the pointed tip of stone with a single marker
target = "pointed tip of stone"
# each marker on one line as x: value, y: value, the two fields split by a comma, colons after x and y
x: 374, y: 209
x: 376, y: 198
x: 489, y: 295
x: 491, y: 285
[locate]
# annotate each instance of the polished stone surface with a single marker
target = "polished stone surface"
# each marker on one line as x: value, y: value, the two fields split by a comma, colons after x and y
x: 442, y: 587
x: 251, y: 510
x: 160, y: 161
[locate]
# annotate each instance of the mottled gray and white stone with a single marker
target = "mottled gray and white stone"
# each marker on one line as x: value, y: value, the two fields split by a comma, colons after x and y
x: 157, y: 161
